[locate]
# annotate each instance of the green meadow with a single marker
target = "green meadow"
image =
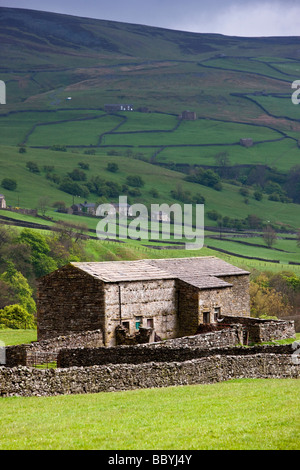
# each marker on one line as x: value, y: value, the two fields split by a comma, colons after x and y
x: 234, y: 415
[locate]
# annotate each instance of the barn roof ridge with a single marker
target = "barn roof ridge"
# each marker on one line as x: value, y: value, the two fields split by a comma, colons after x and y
x: 205, y: 275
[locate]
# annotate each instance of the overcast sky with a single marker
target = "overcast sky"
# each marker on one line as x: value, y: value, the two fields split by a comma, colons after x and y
x: 229, y: 17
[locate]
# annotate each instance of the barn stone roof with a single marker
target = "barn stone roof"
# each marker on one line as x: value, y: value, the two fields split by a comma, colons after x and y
x: 201, y: 272
x: 117, y: 271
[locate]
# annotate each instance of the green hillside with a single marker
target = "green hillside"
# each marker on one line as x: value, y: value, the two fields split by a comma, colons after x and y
x: 60, y: 72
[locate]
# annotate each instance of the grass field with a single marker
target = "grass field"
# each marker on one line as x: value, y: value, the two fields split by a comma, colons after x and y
x: 235, y: 415
x: 241, y: 414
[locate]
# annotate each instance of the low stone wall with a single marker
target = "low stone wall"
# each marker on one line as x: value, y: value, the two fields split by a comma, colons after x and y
x: 260, y: 330
x: 82, y: 357
x: 39, y: 352
x: 231, y: 336
x: 24, y: 381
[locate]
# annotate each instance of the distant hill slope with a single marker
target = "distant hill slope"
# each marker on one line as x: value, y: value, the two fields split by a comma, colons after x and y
x: 61, y: 70
x: 56, y: 33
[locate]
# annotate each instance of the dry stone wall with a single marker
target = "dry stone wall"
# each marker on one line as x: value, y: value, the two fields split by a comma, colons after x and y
x: 260, y: 330
x: 24, y: 381
x: 39, y: 352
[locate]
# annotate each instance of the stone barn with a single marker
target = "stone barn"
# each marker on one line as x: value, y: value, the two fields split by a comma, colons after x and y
x: 170, y: 297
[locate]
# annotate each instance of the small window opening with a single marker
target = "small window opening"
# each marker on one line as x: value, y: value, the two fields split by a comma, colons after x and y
x: 206, y: 317
x: 150, y: 323
x: 217, y: 313
x: 138, y: 322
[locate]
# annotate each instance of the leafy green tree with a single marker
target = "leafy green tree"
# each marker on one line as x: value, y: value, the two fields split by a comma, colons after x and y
x: 135, y: 180
x: 33, y: 167
x: 16, y: 317
x: 113, y: 167
x: 41, y: 261
x: 77, y: 175
x: 19, y: 287
x: 206, y: 178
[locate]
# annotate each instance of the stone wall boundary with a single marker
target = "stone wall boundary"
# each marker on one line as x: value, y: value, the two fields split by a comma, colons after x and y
x: 25, y: 381
x: 39, y: 352
x: 82, y: 357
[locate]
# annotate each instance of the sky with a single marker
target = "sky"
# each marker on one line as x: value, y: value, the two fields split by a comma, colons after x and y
x: 229, y: 17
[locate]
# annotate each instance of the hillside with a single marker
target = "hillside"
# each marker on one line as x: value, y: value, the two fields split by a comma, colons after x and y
x: 60, y: 71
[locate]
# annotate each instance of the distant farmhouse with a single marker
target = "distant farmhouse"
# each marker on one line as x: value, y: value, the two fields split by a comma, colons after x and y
x: 172, y: 297
x: 90, y: 208
x: 83, y: 208
x: 188, y: 116
x: 118, y: 107
x: 2, y: 202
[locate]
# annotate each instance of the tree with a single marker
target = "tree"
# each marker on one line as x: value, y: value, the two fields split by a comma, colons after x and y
x: 269, y: 236
x: 16, y: 317
x: 222, y: 161
x: 206, y: 178
x: 113, y: 167
x: 60, y: 205
x: 9, y: 184
x: 40, y: 252
x: 258, y: 195
x: 135, y: 181
x: 77, y: 175
x: 265, y: 300
x: 293, y: 184
x: 19, y: 287
x: 33, y: 167
x: 43, y: 204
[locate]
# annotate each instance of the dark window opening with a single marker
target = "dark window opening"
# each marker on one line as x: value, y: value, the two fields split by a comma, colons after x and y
x: 126, y: 325
x: 206, y: 317
x: 150, y: 323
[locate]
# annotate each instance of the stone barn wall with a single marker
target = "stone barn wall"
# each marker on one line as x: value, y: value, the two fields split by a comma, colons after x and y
x: 151, y: 304
x: 236, y: 301
x: 69, y: 302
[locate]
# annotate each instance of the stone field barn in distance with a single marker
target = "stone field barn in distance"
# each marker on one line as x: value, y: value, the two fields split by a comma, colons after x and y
x: 170, y: 297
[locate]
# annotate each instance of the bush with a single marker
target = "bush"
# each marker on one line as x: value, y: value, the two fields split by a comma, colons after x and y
x: 16, y: 317
x: 113, y: 167
x: 9, y: 184
x: 135, y: 181
x: 33, y: 167
x: 206, y: 178
x: 77, y: 175
x: 258, y: 195
x: 84, y: 166
x: 213, y: 215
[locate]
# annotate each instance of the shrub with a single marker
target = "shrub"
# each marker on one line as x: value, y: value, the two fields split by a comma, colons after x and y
x: 206, y: 178
x: 84, y: 166
x: 16, y: 317
x: 135, y: 181
x: 113, y: 167
x: 33, y: 167
x: 9, y: 184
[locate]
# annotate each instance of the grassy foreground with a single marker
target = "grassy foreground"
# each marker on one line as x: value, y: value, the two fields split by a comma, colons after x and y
x: 235, y: 415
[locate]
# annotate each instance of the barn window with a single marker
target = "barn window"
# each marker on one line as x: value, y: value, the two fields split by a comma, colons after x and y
x: 138, y: 322
x: 126, y: 324
x: 150, y: 323
x: 217, y: 313
x: 206, y: 317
